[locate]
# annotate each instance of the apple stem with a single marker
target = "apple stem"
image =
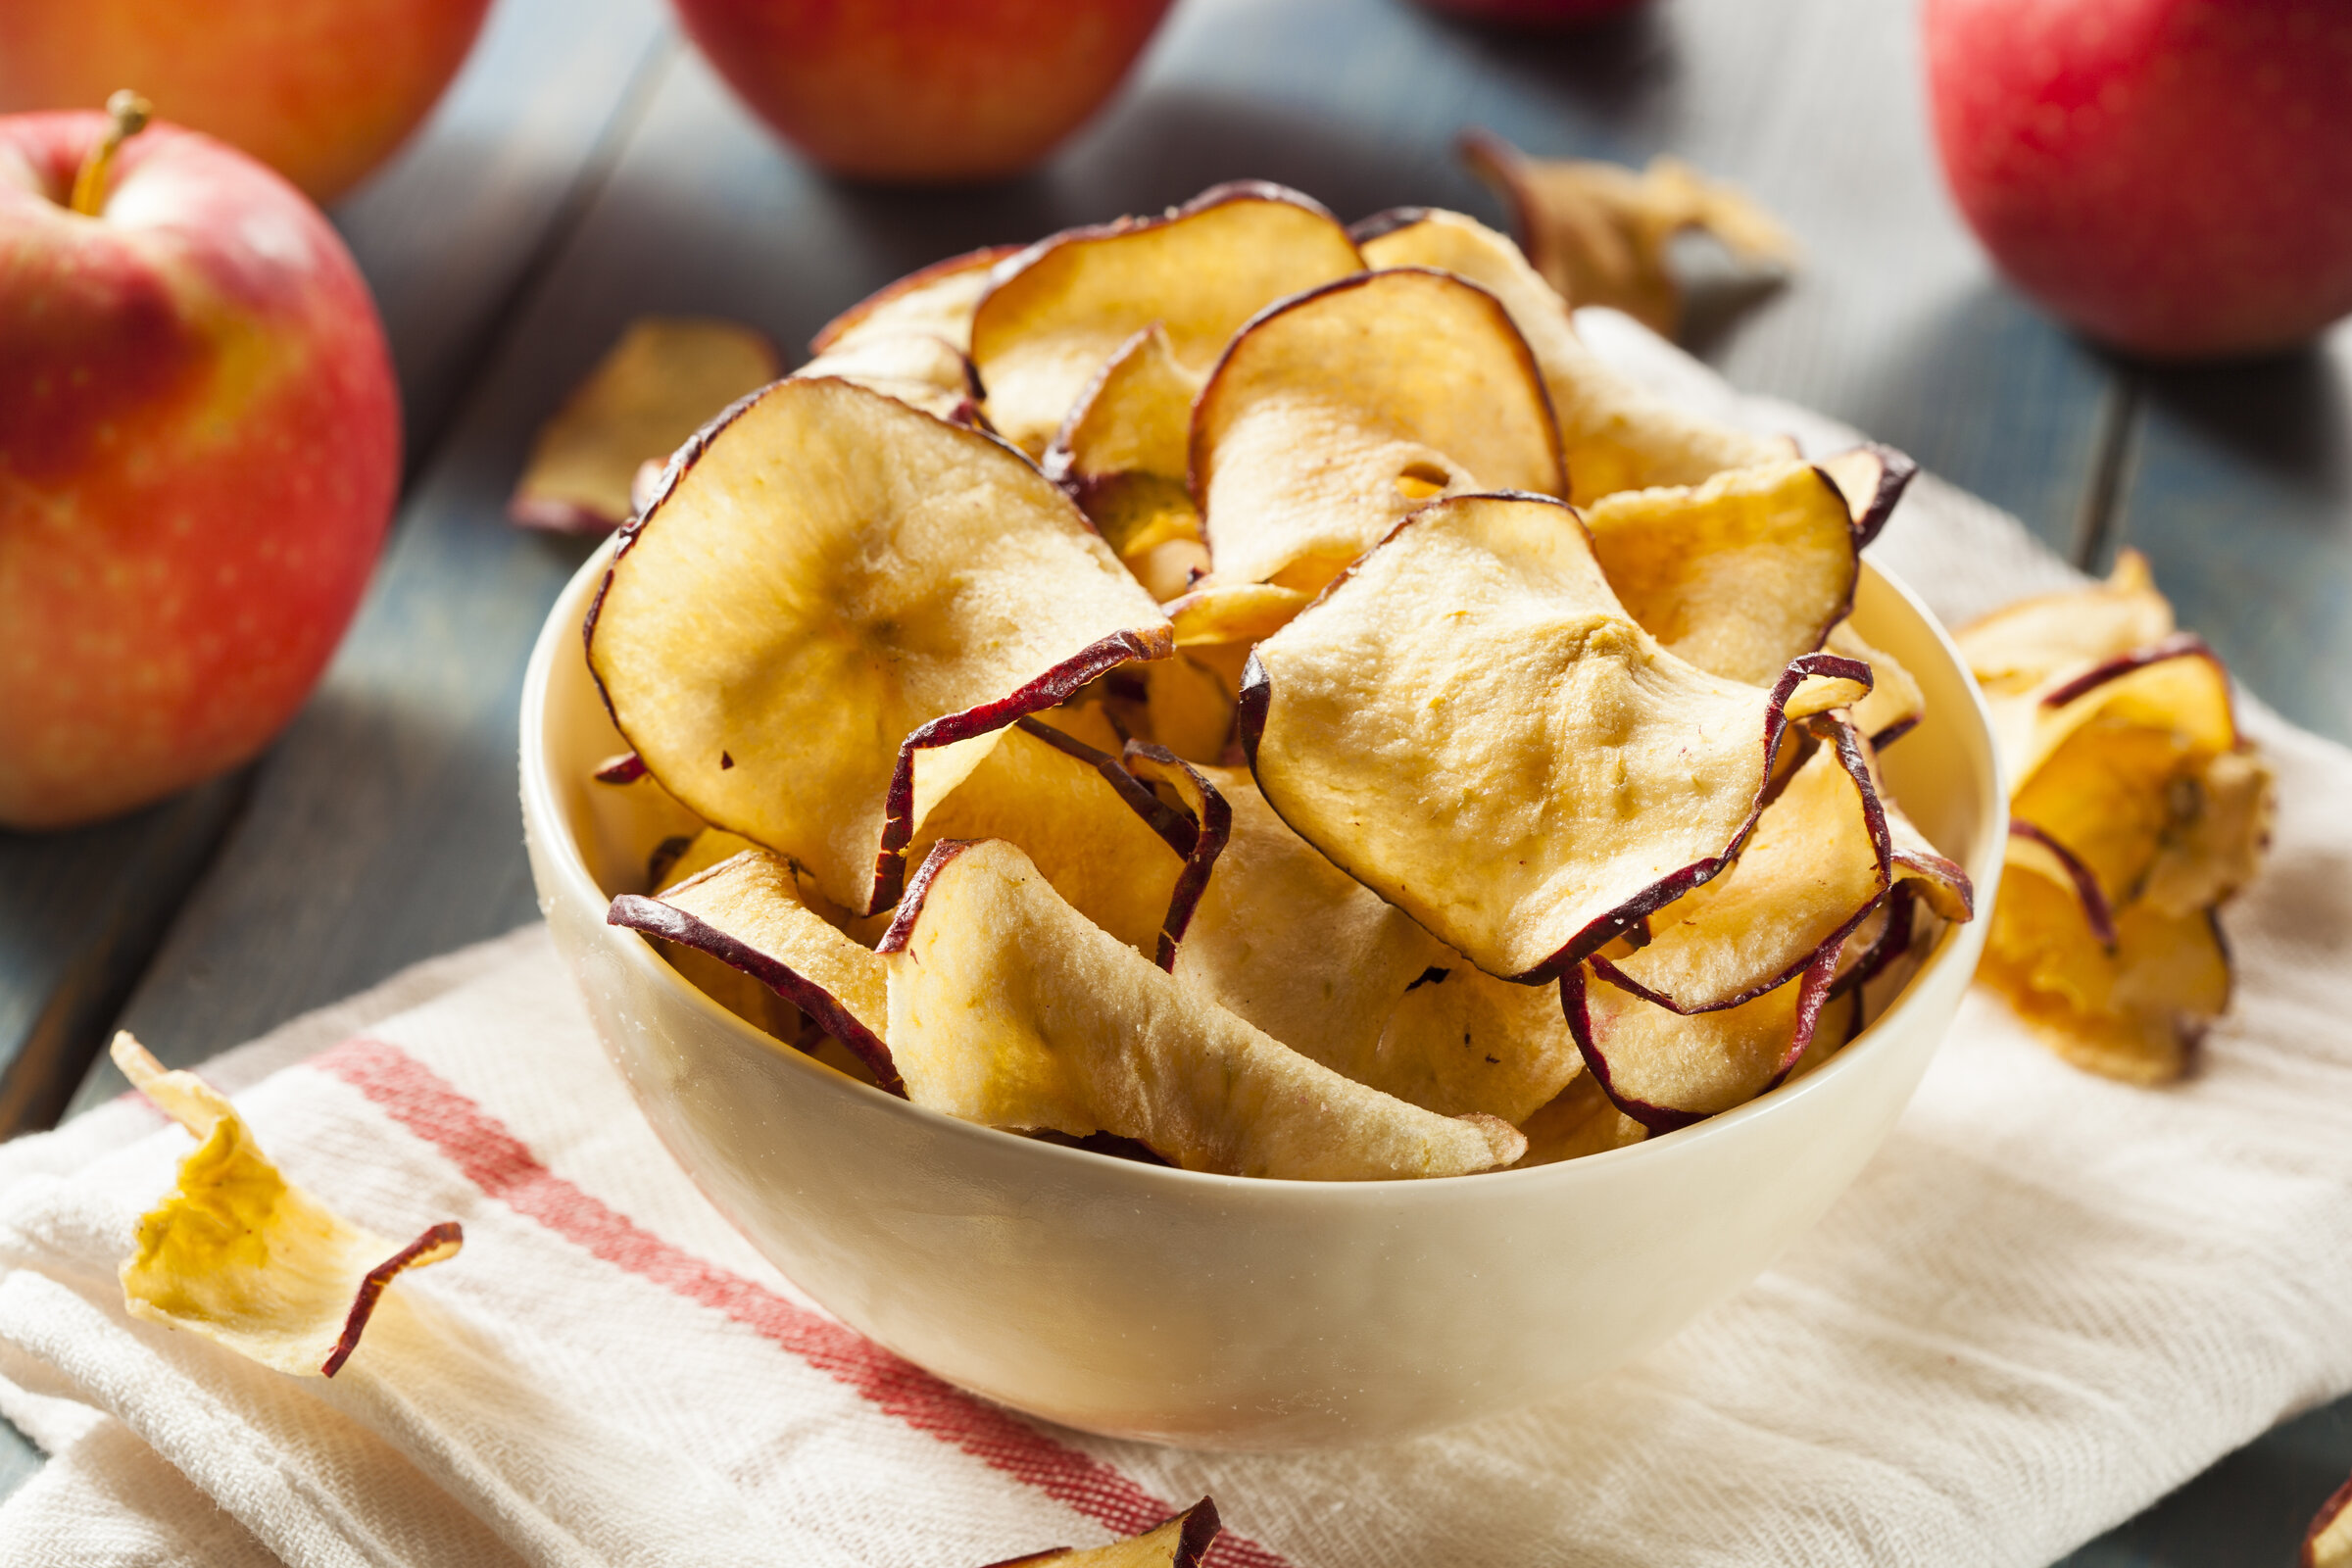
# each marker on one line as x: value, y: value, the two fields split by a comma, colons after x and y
x: 126, y: 115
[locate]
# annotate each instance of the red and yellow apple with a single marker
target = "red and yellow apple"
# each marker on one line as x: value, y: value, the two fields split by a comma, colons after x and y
x: 321, y: 91
x: 2168, y: 175
x: 199, y: 451
x: 923, y: 90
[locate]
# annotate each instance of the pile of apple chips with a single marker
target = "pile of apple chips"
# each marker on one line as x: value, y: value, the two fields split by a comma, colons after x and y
x: 1232, y: 690
x: 2136, y: 809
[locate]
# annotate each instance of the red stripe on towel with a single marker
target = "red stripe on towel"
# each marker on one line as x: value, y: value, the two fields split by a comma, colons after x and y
x: 500, y: 1163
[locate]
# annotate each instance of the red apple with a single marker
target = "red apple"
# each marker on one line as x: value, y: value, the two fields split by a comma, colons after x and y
x: 199, y: 450
x: 923, y: 90
x: 321, y: 91
x: 2168, y: 175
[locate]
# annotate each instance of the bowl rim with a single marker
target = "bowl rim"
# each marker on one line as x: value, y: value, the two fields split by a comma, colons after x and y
x: 550, y: 827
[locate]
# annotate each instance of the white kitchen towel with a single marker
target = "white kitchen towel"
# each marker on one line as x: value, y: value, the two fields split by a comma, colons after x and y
x: 2049, y: 1300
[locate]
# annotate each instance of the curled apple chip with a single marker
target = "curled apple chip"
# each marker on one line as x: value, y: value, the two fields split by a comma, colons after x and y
x: 1601, y: 234
x: 650, y: 392
x: 2019, y: 646
x: 1121, y: 455
x: 1177, y: 1543
x: 1055, y: 313
x: 921, y: 369
x: 241, y: 1257
x: 747, y: 912
x: 1737, y: 576
x: 1010, y: 1008
x: 1201, y: 838
x: 937, y: 299
x: 1616, y: 435
x: 1578, y: 1121
x: 833, y: 611
x: 1896, y: 703
x: 2329, y: 1542
x: 1667, y: 1069
x: 1225, y: 614
x: 2132, y: 1005
x: 1818, y: 861
x: 1471, y: 725
x: 1336, y: 413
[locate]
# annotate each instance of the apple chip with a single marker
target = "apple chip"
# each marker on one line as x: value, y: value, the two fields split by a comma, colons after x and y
x: 1601, y: 234
x: 1818, y: 861
x: 1460, y: 1040
x: 748, y: 913
x: 937, y: 299
x: 834, y: 610
x: 1896, y: 703
x: 1177, y: 1543
x: 1337, y: 411
x: 1470, y: 725
x: 650, y: 392
x: 2329, y: 1542
x: 1667, y: 1069
x: 2019, y: 646
x: 1010, y: 1008
x: 1121, y: 456
x: 2132, y: 1005
x: 1233, y: 613
x: 1061, y: 308
x: 1739, y: 575
x: 241, y: 1257
x: 2216, y: 826
x: 921, y: 369
x: 1616, y: 435
x: 1578, y: 1121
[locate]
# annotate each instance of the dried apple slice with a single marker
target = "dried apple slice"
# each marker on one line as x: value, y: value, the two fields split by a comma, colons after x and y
x: 1667, y: 1069
x: 1578, y: 1121
x: 2019, y: 646
x: 1010, y: 1008
x: 1233, y: 613
x: 937, y: 299
x: 2133, y: 1008
x: 921, y: 369
x: 1055, y: 311
x: 1177, y: 1543
x: 747, y: 912
x: 1616, y: 435
x: 1460, y: 1040
x: 650, y: 392
x: 2329, y: 1542
x: 2216, y: 826
x: 1737, y: 576
x: 1336, y: 413
x: 1896, y: 703
x: 239, y: 1255
x: 1121, y: 455
x: 1470, y: 725
x: 832, y: 590
x: 1818, y: 861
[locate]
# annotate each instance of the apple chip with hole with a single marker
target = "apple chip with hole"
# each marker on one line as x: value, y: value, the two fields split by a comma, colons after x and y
x: 921, y: 369
x: 1121, y: 455
x: 1057, y: 311
x: 1470, y: 725
x: 1177, y: 1543
x: 1010, y: 1008
x: 1668, y: 1069
x: 1615, y: 435
x: 1737, y: 576
x: 832, y: 612
x: 937, y: 300
x: 1337, y: 411
x: 241, y: 1257
x: 652, y: 390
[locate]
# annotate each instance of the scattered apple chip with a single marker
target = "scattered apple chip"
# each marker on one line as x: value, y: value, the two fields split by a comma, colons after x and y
x: 937, y: 299
x: 1578, y: 1121
x: 2217, y: 826
x: 241, y: 1257
x: 1010, y: 1008
x: 921, y: 369
x: 1601, y: 234
x: 1057, y: 311
x: 2329, y: 1542
x: 1177, y: 1543
x: 1818, y: 861
x: 1470, y: 725
x: 1615, y: 435
x: 1337, y: 411
x: 1667, y: 1069
x: 832, y: 612
x: 655, y: 387
x: 1737, y: 576
x: 2020, y: 646
x: 1896, y: 703
x: 748, y: 913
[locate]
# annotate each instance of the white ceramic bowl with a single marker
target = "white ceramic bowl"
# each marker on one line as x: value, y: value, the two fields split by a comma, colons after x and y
x: 1139, y: 1302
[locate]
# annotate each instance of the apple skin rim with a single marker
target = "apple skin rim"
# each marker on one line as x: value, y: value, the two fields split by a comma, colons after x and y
x: 1210, y: 834
x: 2096, y: 910
x: 2337, y: 1504
x: 626, y: 768
x: 1257, y: 696
x: 2179, y: 645
x: 1850, y: 758
x: 1897, y: 469
x: 652, y: 917
x: 1049, y: 689
x: 437, y: 1242
x: 1201, y: 1527
x: 919, y: 888
x: 834, y: 331
x: 1196, y: 483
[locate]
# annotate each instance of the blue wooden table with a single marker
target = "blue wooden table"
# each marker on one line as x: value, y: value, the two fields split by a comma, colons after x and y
x: 588, y: 169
